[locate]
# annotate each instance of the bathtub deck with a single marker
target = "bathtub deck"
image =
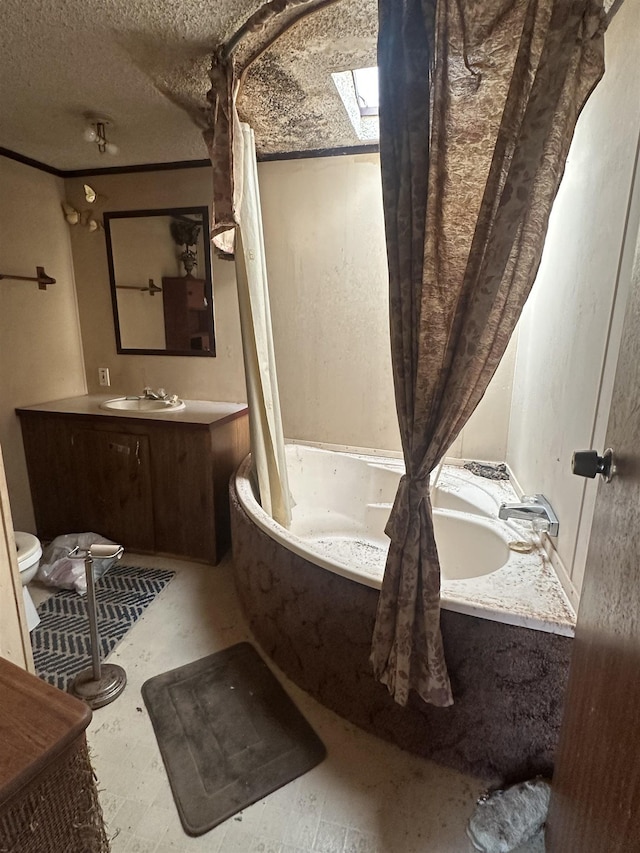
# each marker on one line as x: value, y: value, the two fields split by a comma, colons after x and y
x: 524, y: 593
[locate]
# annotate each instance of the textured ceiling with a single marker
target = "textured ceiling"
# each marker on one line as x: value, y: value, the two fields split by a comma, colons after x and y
x: 288, y: 94
x: 141, y: 62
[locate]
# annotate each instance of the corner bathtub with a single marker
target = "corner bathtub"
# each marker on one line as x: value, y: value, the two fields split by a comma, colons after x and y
x: 310, y: 595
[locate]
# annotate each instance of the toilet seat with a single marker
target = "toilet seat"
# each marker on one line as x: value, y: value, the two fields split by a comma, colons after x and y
x: 29, y: 549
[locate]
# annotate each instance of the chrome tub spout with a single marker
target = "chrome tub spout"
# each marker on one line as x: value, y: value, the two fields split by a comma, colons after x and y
x: 536, y: 509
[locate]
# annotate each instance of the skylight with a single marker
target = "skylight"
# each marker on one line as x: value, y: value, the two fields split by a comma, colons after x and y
x: 365, y: 82
x: 358, y: 90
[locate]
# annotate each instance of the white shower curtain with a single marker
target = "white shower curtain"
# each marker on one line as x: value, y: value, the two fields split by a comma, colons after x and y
x: 267, y: 440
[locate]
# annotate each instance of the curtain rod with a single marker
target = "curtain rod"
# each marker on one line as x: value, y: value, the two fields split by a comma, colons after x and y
x: 615, y: 6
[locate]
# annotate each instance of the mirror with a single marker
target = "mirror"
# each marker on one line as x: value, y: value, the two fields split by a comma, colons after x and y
x: 160, y: 272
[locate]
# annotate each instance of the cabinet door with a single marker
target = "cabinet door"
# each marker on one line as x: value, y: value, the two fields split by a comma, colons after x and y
x: 184, y: 512
x: 52, y: 475
x: 113, y: 480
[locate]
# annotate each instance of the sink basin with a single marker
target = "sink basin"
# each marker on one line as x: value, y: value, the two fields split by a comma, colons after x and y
x: 126, y: 404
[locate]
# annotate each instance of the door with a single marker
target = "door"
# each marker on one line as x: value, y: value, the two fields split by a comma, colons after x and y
x: 14, y: 636
x: 595, y: 803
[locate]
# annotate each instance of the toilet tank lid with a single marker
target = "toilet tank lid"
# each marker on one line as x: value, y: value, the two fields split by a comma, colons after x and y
x: 27, y: 544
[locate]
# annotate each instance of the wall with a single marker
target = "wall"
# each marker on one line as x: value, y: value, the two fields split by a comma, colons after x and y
x: 324, y: 240
x: 485, y: 436
x: 201, y: 378
x: 326, y: 259
x: 570, y: 329
x: 40, y: 348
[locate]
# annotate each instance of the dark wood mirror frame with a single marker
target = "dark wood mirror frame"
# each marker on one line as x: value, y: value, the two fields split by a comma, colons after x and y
x: 180, y: 294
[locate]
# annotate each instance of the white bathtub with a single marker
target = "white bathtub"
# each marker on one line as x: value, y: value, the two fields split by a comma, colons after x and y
x: 342, y: 503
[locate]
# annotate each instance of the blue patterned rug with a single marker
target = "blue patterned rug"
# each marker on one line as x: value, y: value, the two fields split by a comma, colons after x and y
x: 61, y: 644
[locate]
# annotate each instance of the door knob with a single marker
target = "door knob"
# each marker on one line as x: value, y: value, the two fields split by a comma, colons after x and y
x: 587, y: 463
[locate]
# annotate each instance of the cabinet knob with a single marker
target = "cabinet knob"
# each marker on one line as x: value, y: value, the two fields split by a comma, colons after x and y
x: 587, y: 463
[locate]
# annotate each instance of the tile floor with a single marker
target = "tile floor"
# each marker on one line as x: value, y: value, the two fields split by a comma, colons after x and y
x: 366, y: 797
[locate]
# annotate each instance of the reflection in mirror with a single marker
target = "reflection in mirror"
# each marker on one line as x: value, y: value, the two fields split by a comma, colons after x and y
x: 160, y: 271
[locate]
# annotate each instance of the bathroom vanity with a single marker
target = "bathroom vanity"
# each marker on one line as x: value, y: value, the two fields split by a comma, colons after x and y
x: 154, y: 482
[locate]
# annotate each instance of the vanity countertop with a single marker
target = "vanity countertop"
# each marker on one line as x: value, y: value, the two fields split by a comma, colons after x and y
x: 195, y: 412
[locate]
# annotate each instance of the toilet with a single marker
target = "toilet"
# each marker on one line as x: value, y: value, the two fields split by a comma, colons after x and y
x: 29, y: 553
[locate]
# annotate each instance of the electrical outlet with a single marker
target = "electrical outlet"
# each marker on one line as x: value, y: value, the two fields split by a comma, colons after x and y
x: 103, y: 376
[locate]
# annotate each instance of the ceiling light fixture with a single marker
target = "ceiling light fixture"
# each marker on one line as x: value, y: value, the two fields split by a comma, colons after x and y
x: 96, y: 131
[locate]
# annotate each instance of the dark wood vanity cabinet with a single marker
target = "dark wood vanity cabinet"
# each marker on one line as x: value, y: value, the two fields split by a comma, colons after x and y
x: 154, y: 486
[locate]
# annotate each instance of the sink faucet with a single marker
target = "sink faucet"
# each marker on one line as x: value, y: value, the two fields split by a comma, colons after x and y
x: 149, y: 394
x: 536, y: 509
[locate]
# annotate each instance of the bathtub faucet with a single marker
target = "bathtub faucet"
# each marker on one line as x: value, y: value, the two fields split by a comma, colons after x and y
x: 536, y: 509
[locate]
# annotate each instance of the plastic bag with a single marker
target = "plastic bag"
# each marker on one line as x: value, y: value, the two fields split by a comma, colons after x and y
x: 59, y: 569
x: 507, y: 818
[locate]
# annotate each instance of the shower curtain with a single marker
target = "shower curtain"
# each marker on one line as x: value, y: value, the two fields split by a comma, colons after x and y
x: 265, y: 422
x: 478, y: 102
x: 236, y: 213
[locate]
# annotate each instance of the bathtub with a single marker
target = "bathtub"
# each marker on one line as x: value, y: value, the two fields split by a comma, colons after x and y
x: 310, y: 596
x: 343, y: 501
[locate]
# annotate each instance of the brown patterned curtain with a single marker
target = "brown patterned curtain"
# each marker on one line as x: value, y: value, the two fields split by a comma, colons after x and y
x: 223, y: 135
x: 478, y: 103
x: 224, y: 142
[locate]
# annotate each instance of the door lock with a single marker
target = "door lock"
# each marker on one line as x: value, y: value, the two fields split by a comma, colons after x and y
x: 587, y: 463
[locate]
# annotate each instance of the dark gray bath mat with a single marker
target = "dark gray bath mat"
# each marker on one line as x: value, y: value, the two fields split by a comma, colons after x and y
x: 228, y: 733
